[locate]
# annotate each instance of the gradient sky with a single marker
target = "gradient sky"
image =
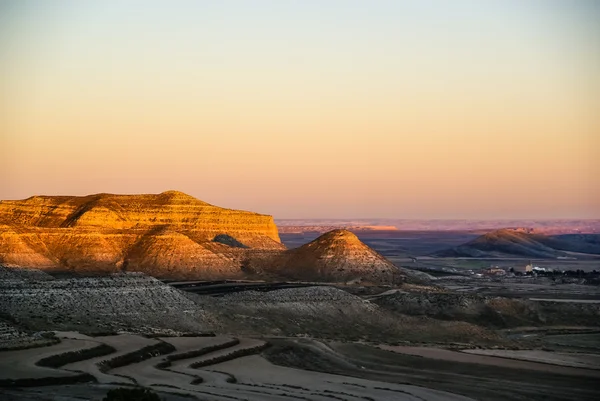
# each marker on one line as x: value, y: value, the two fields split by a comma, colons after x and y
x: 300, y: 109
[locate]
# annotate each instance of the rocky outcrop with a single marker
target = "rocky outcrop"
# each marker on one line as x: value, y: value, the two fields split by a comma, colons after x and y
x: 169, y: 235
x: 337, y: 256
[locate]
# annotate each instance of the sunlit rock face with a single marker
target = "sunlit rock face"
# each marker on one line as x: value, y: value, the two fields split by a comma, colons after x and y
x: 174, y: 236
x: 339, y: 255
x: 169, y: 235
x: 336, y: 256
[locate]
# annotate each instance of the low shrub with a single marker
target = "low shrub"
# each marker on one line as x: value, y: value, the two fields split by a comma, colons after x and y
x: 142, y: 354
x: 202, y: 351
x: 56, y: 361
x: 48, y: 381
x: 131, y: 394
x: 233, y: 355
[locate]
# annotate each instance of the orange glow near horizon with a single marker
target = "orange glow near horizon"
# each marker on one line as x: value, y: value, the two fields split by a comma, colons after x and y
x: 301, y: 120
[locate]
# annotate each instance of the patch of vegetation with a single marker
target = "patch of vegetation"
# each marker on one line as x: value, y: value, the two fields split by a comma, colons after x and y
x: 195, y: 353
x: 142, y: 354
x: 230, y: 378
x: 190, y: 334
x: 48, y: 381
x: 35, y: 344
x: 232, y: 355
x: 56, y: 361
x: 101, y: 333
x: 131, y: 394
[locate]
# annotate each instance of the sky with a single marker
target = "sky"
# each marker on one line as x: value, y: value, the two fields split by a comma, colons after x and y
x: 308, y: 109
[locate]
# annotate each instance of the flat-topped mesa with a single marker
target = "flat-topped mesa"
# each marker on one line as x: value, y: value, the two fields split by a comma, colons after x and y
x: 168, y: 235
x: 107, y: 211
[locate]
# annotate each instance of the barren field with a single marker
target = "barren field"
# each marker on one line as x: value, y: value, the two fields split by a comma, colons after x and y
x: 576, y: 360
x: 21, y: 364
x: 260, y: 341
x: 491, y: 381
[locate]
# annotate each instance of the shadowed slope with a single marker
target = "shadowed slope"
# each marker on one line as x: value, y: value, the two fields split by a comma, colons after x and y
x: 505, y: 242
x: 581, y: 243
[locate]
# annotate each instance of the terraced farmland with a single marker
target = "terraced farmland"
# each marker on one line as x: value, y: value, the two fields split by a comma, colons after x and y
x: 207, y: 368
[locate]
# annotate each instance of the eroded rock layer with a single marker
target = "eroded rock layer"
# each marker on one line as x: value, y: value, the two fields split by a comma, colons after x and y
x: 336, y: 256
x: 174, y: 236
x: 169, y: 235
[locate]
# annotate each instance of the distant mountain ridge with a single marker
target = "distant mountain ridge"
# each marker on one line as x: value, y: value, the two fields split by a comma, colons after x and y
x: 525, y: 242
x: 547, y: 227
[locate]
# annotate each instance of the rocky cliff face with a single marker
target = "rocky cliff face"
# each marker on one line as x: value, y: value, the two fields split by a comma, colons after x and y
x: 169, y: 235
x: 138, y: 212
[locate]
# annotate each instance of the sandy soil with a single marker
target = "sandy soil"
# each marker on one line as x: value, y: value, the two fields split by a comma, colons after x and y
x: 315, y: 370
x: 478, y: 381
x: 496, y: 358
x: 145, y: 373
x: 185, y: 344
x: 21, y: 364
x: 208, y: 376
x: 258, y: 371
x: 123, y: 343
x: 576, y: 360
x: 250, y: 378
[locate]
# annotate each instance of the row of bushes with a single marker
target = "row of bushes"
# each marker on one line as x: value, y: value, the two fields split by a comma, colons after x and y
x: 48, y: 381
x: 189, y: 334
x: 232, y: 355
x: 230, y: 378
x: 32, y: 344
x: 195, y: 353
x: 136, y: 356
x: 131, y: 394
x: 56, y: 361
